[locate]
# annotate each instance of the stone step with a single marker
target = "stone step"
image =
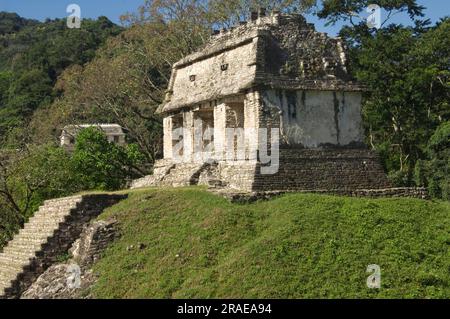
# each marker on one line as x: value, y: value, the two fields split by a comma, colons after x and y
x: 21, y: 250
x: 52, y: 214
x: 38, y: 227
x: 60, y: 204
x: 26, y: 243
x: 51, y: 209
x: 16, y: 249
x: 2, y: 289
x: 10, y: 267
x: 8, y: 276
x: 5, y: 259
x: 64, y: 200
x: 46, y: 220
x: 32, y: 229
x: 33, y: 237
x: 5, y: 282
x: 17, y: 259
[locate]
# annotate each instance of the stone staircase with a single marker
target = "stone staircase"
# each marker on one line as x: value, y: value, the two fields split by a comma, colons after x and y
x: 160, y: 170
x: 46, y: 237
x: 184, y: 174
x: 181, y: 174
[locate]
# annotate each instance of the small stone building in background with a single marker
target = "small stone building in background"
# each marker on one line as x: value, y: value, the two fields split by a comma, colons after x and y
x: 113, y: 132
x: 272, y: 72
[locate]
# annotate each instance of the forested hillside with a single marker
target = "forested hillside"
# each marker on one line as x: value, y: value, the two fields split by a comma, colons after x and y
x: 32, y: 56
x: 12, y: 23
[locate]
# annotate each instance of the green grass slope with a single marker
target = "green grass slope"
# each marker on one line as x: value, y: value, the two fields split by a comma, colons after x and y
x: 198, y: 245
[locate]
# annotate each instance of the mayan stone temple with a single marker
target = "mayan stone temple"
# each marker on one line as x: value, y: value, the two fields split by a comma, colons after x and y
x: 266, y: 106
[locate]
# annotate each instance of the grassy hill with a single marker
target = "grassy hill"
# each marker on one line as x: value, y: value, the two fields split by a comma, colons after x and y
x: 197, y: 245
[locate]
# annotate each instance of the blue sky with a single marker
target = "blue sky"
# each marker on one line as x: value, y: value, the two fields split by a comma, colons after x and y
x: 41, y: 9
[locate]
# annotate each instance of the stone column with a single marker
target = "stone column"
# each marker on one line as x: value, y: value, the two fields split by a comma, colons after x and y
x: 167, y: 140
x: 197, y: 138
x: 188, y: 136
x: 251, y: 124
x: 219, y: 131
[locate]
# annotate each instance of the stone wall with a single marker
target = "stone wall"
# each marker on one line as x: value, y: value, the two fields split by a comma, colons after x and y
x: 160, y: 170
x: 299, y: 169
x: 237, y: 175
x: 222, y: 74
x: 316, y: 118
x: 306, y: 169
x: 250, y: 197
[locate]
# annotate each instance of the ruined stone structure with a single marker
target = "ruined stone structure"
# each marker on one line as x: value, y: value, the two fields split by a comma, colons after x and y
x: 46, y: 237
x: 113, y: 132
x: 280, y: 88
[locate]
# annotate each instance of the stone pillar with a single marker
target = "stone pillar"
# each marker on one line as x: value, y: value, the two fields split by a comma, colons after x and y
x: 220, y: 131
x: 167, y: 140
x: 197, y: 138
x: 235, y: 135
x: 188, y: 136
x: 251, y: 124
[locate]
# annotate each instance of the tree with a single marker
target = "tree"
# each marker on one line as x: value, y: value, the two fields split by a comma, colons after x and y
x: 103, y: 165
x: 12, y: 22
x: 435, y: 171
x: 348, y: 11
x: 29, y: 176
x: 5, y: 79
x: 406, y: 70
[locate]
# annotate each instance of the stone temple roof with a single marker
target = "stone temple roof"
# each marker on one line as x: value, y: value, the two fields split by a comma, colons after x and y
x: 276, y: 51
x: 115, y: 129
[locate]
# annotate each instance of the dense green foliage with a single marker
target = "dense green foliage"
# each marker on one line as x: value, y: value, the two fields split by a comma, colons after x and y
x: 198, y: 245
x: 12, y: 23
x: 408, y: 72
x: 435, y: 171
x: 101, y: 164
x: 34, y: 54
